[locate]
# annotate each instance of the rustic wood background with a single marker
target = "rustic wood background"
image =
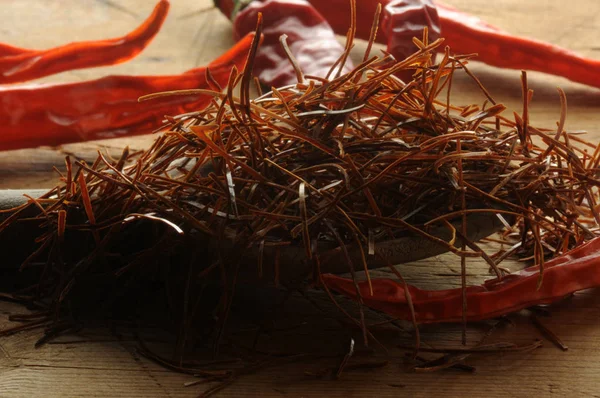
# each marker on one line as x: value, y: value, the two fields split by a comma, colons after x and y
x: 96, y: 363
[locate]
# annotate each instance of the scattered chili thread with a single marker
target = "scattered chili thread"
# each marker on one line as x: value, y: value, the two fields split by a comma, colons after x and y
x: 549, y: 334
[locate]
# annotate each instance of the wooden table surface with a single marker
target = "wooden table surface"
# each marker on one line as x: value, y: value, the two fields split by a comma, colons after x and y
x: 193, y: 35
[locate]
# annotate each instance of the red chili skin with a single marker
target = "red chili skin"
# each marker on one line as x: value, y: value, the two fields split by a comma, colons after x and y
x: 466, y: 34
x: 404, y: 19
x: 8, y: 50
x: 401, y: 21
x: 336, y: 13
x: 227, y: 7
x: 576, y: 270
x: 104, y: 108
x: 310, y: 39
x: 19, y: 65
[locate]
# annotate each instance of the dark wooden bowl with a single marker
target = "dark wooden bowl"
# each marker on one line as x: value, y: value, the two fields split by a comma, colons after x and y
x: 293, y: 261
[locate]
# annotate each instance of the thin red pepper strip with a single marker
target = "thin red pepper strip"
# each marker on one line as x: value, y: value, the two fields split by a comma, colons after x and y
x: 573, y: 271
x: 466, y: 34
x: 104, y: 108
x: 310, y: 38
x: 27, y: 64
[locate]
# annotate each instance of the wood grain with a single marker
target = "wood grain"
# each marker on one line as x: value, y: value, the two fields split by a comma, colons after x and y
x: 96, y: 363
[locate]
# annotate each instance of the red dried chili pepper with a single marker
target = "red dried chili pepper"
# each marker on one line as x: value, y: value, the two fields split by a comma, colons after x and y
x: 466, y: 34
x: 573, y: 271
x: 104, y: 108
x: 311, y: 40
x: 19, y: 65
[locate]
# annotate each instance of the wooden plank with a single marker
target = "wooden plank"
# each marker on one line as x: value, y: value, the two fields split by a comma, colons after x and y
x: 109, y: 366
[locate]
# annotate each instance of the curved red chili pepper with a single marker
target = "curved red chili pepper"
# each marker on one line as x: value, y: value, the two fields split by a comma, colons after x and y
x: 311, y: 39
x: 106, y: 107
x: 576, y: 270
x: 19, y: 65
x: 466, y: 34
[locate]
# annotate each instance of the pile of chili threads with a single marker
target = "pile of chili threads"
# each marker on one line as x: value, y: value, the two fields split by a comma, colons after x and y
x: 355, y: 161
